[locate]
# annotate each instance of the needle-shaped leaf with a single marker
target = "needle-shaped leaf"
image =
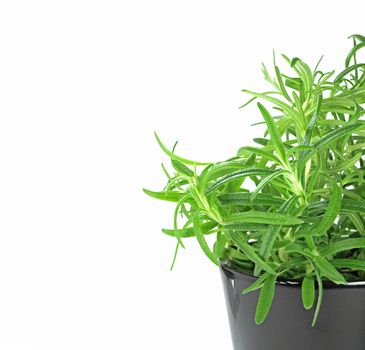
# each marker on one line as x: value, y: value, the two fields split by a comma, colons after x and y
x: 176, y: 213
x: 304, y: 73
x: 348, y: 205
x: 264, y: 182
x: 270, y: 236
x: 312, y: 123
x: 353, y: 52
x: 265, y: 300
x: 358, y: 37
x: 308, y: 292
x: 172, y: 155
x: 279, y: 78
x: 280, y: 104
x: 343, y: 245
x: 257, y: 284
x: 344, y: 165
x: 300, y: 148
x: 328, y: 270
x: 245, y: 226
x: 250, y: 252
x: 199, y: 233
x: 353, y: 205
x: 299, y: 249
x: 351, y: 264
x: 260, y: 217
x: 357, y: 221
x: 261, y: 141
x: 236, y: 175
x: 320, y: 296
x: 348, y: 70
x: 189, y: 231
x: 326, y: 140
x: 335, y: 135
x: 330, y: 215
x: 258, y: 151
x: 220, y: 246
x: 221, y: 169
x: 169, y: 196
x: 181, y: 168
x: 274, y: 132
x: 245, y: 199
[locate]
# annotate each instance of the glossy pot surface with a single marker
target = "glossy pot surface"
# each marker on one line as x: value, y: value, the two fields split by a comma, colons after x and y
x: 340, y: 325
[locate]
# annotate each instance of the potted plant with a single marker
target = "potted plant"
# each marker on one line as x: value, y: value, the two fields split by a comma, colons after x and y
x: 287, y: 213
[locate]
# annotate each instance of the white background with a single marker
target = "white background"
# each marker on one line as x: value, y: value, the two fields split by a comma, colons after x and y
x: 83, y: 84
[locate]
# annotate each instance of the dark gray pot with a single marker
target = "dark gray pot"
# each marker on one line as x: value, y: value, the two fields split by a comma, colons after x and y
x: 340, y: 326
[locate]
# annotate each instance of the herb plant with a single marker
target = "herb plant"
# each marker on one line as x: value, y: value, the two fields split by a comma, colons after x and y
x: 292, y: 207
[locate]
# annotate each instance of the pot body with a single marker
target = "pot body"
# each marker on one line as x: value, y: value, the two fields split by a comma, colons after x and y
x: 340, y: 325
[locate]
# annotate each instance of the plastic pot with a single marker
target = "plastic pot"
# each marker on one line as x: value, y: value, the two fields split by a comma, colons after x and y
x: 340, y: 326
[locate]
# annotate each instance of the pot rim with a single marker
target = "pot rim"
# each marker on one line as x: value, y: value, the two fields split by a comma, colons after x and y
x: 224, y: 265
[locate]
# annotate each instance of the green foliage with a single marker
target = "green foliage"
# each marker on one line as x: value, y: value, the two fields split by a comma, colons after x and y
x: 291, y: 207
x: 308, y: 292
x: 265, y: 299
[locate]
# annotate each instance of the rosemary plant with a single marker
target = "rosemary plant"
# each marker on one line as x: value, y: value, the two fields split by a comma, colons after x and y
x: 293, y: 206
